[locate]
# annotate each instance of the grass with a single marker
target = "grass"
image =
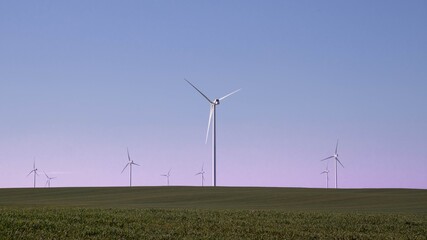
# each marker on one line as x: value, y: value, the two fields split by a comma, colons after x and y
x: 212, y: 213
x: 84, y: 223
x: 285, y: 199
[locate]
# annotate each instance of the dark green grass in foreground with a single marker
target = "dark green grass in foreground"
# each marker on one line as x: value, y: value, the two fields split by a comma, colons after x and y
x: 78, y: 223
x: 212, y: 213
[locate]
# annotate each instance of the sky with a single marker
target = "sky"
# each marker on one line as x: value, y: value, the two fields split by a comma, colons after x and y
x: 81, y: 81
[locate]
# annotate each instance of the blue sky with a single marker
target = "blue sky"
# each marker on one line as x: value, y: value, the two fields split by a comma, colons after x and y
x: 80, y: 81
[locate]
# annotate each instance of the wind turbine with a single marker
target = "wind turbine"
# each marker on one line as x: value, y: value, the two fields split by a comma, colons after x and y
x: 130, y: 163
x: 167, y: 175
x: 335, y: 157
x: 48, y: 180
x: 34, y: 171
x: 327, y: 176
x: 212, y: 118
x: 201, y: 173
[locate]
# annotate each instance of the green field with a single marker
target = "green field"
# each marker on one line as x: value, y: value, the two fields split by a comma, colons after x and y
x: 212, y: 213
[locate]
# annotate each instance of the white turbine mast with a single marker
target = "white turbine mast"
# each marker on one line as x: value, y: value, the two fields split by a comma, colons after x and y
x: 202, y: 172
x: 167, y: 175
x: 335, y: 157
x: 34, y: 171
x: 327, y: 175
x: 212, y: 118
x: 48, y: 179
x: 130, y: 163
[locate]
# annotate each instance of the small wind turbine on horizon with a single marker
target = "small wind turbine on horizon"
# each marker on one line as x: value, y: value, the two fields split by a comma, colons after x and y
x: 130, y: 163
x: 335, y: 157
x: 327, y: 175
x: 34, y: 171
x: 48, y: 180
x: 202, y: 172
x: 167, y: 175
x: 212, y: 118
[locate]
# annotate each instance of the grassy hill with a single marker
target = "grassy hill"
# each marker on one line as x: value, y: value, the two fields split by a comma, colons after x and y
x: 411, y: 201
x: 212, y: 213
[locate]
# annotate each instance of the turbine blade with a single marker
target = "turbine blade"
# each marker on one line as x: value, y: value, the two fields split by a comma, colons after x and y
x: 30, y: 173
x: 136, y: 164
x: 45, y: 174
x: 336, y: 147
x: 339, y: 162
x: 198, y: 90
x: 169, y: 173
x: 327, y: 158
x: 198, y: 174
x: 209, y: 123
x: 34, y: 163
x: 128, y: 154
x: 125, y: 167
x: 230, y: 94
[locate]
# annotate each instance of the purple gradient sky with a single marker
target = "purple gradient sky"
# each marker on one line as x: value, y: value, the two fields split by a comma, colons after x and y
x: 82, y: 80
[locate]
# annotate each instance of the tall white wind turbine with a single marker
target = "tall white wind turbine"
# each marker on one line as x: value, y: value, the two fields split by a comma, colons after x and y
x: 202, y: 172
x: 335, y: 157
x: 167, y: 175
x: 212, y: 118
x: 34, y: 171
x: 48, y: 180
x: 327, y: 176
x: 130, y: 163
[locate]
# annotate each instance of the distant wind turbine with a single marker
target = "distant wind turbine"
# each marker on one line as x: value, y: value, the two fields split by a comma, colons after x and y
x: 202, y: 172
x: 167, y: 175
x: 327, y: 176
x: 34, y: 171
x: 212, y: 118
x: 335, y: 157
x: 130, y: 163
x: 48, y: 180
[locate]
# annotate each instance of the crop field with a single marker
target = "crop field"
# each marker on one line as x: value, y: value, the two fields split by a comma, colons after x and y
x: 212, y: 213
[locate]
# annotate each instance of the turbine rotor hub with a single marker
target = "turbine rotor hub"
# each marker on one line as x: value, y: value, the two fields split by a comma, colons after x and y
x: 216, y: 101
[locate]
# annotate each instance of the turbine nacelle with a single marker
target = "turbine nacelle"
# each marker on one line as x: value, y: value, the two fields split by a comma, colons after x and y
x: 216, y: 102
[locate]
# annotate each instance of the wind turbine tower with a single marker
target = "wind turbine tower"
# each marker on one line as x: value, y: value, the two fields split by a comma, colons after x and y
x: 212, y: 118
x: 327, y: 176
x: 130, y: 163
x: 201, y: 173
x: 335, y: 157
x: 167, y: 175
x: 48, y: 180
x: 34, y: 171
